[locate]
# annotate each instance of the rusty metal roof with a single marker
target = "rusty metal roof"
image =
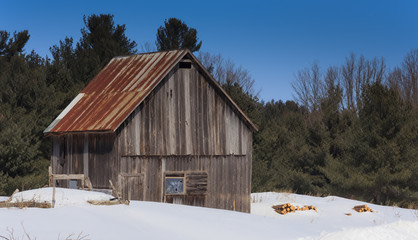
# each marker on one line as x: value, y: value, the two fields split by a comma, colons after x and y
x: 121, y: 86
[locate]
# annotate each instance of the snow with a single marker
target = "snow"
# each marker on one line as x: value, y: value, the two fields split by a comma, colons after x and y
x: 63, y: 196
x: 331, y: 221
x: 150, y: 220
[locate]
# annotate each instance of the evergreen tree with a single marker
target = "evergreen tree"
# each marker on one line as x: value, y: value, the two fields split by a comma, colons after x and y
x: 175, y: 34
x: 25, y: 104
x: 11, y: 46
x: 72, y: 67
x: 383, y: 117
x: 100, y: 41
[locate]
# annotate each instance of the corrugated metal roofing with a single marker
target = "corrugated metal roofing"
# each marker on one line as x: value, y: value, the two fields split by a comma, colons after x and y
x: 118, y: 90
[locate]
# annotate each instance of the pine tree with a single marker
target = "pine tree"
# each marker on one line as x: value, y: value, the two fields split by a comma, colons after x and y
x: 100, y: 41
x: 175, y: 34
x: 25, y: 104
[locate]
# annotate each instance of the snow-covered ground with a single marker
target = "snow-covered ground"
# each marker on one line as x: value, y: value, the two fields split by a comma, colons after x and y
x: 148, y: 220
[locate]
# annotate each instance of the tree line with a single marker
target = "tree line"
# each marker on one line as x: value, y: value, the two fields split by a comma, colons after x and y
x: 351, y: 131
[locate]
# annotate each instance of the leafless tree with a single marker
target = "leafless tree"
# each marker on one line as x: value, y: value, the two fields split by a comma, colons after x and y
x: 332, y: 78
x: 358, y: 73
x: 309, y: 87
x: 225, y: 71
x: 394, y: 81
x: 347, y: 71
x: 147, y: 47
x: 410, y: 76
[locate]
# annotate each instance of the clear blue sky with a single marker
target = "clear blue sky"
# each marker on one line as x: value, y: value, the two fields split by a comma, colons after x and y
x: 271, y: 39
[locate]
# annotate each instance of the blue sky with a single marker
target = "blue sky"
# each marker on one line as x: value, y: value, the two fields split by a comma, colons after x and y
x: 271, y: 39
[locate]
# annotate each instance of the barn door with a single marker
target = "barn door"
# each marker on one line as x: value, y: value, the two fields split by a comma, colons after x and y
x: 131, y: 186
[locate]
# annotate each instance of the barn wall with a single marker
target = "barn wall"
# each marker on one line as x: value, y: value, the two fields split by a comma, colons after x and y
x: 186, y: 126
x: 94, y: 155
x: 228, y: 180
x: 184, y: 116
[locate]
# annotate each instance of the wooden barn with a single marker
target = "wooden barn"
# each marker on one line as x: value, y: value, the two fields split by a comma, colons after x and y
x: 161, y: 129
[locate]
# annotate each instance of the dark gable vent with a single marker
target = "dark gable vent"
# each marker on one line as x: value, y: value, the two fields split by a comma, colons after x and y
x: 185, y: 64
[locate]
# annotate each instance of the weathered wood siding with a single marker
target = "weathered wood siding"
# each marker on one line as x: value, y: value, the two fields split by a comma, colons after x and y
x: 93, y: 155
x: 226, y: 187
x: 184, y: 116
x: 184, y: 126
x: 67, y: 155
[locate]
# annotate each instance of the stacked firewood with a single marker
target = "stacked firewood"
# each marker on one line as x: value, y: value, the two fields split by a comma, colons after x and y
x: 289, y: 208
x: 362, y: 208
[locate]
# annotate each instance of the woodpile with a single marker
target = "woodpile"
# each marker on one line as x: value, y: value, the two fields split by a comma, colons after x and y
x: 362, y: 208
x: 114, y: 201
x: 289, y: 208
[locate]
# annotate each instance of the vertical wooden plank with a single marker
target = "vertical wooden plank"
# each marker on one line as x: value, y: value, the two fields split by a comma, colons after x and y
x: 182, y: 110
x: 161, y: 179
x: 86, y: 155
x: 188, y: 113
x: 193, y: 108
x: 55, y: 157
x: 171, y: 116
x: 177, y: 114
x: 205, y: 117
x: 165, y: 117
x: 136, y: 133
x: 212, y: 121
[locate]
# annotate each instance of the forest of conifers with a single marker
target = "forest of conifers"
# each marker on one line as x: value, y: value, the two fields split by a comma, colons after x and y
x: 351, y: 131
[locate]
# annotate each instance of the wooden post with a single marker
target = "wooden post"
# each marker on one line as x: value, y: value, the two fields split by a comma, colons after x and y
x: 53, y: 191
x: 86, y: 156
x: 50, y: 175
x: 89, y: 185
x: 115, y: 191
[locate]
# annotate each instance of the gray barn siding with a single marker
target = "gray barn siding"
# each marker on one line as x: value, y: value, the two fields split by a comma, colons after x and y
x: 183, y: 126
x: 225, y: 188
x: 168, y: 123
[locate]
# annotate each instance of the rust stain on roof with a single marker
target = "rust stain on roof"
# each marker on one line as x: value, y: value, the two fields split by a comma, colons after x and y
x: 119, y: 88
x: 117, y: 91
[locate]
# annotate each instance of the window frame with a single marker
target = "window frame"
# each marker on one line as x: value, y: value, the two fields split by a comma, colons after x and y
x: 176, y: 175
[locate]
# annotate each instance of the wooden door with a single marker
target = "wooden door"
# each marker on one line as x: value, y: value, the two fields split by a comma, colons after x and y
x: 131, y: 186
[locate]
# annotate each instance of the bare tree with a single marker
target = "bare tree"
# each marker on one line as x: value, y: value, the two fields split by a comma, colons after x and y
x: 147, y: 47
x: 225, y: 71
x: 309, y: 87
x: 394, y: 81
x: 347, y: 71
x: 410, y: 76
x: 358, y: 73
x: 332, y: 77
x: 301, y: 88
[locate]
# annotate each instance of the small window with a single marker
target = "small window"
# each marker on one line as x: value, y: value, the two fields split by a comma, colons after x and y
x: 185, y: 65
x: 174, y: 185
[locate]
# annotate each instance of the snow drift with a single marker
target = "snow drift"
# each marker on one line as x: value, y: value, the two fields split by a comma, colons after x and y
x: 150, y: 220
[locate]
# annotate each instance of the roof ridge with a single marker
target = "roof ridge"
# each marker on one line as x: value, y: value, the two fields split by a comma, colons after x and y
x: 148, y: 53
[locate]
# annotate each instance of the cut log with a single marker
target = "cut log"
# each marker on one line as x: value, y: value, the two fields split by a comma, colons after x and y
x: 362, y: 208
x: 108, y: 202
x: 289, y: 208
